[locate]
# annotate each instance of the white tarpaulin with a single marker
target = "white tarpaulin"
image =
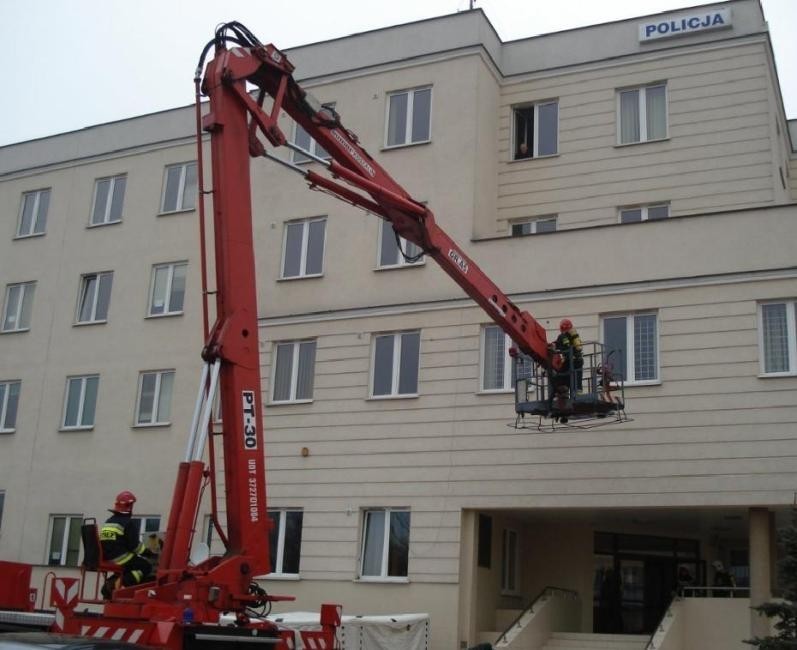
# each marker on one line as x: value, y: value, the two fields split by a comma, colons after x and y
x: 385, y: 632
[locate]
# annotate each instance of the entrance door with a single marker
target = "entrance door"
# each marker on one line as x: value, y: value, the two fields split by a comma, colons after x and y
x: 646, y: 588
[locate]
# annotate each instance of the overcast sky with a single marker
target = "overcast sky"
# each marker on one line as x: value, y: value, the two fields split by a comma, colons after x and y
x: 75, y: 63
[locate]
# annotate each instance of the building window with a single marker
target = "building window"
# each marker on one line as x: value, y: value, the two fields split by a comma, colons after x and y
x: 391, y: 246
x: 395, y: 364
x: 146, y: 525
x: 294, y: 370
x: 303, y: 251
x: 94, y: 298
x: 385, y: 544
x: 285, y: 541
x: 496, y: 365
x: 301, y: 138
x: 642, y: 113
x: 2, y: 504
x: 533, y: 226
x: 509, y: 562
x: 64, y: 547
x: 168, y: 289
x: 109, y: 196
x: 485, y: 552
x: 645, y: 213
x: 409, y: 117
x: 777, y: 337
x: 9, y: 401
x: 536, y: 130
x: 33, y: 213
x: 17, y: 307
x: 632, y: 342
x: 179, y: 188
x: 154, y: 404
x: 80, y: 402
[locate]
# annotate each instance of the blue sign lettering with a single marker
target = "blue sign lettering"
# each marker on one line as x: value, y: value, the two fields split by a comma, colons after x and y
x: 684, y: 25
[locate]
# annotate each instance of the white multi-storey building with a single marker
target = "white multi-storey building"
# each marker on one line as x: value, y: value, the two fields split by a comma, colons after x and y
x: 637, y: 177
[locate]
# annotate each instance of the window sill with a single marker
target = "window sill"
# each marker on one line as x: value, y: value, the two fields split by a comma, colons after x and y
x: 311, y: 160
x: 404, y: 145
x: 289, y: 402
x: 528, y: 158
x: 634, y: 384
x: 377, y: 398
x: 171, y: 212
x: 153, y: 425
x: 103, y: 224
x: 170, y: 314
x: 71, y: 429
x: 7, y: 431
x: 394, y: 267
x: 283, y: 577
x: 31, y: 236
x: 301, y: 277
x: 620, y: 145
x: 23, y: 329
x: 776, y: 375
x: 495, y: 391
x: 84, y: 323
x: 382, y: 580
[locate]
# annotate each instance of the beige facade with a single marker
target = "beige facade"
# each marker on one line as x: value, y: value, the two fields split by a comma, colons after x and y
x: 709, y: 454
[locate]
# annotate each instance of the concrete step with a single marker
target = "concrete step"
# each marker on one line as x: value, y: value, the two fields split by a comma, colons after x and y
x: 583, y: 641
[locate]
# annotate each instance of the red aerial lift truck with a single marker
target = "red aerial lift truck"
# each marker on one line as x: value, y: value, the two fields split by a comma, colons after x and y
x: 185, y: 606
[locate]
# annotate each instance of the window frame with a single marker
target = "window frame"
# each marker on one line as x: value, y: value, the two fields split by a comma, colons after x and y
x: 642, y: 108
x: 791, y: 338
x: 294, y: 385
x: 2, y: 507
x: 64, y: 549
x: 410, y: 92
x: 84, y: 278
x: 644, y: 212
x: 483, y: 366
x: 143, y: 520
x: 396, y: 366
x: 534, y: 223
x: 510, y: 568
x: 6, y: 396
x: 106, y: 218
x: 81, y: 403
x: 315, y: 148
x: 156, y: 398
x: 37, y: 216
x: 180, y: 198
x: 515, y: 145
x: 630, y: 356
x: 28, y: 289
x: 384, y: 561
x: 277, y: 570
x: 304, y: 248
x: 402, y: 263
x: 172, y: 266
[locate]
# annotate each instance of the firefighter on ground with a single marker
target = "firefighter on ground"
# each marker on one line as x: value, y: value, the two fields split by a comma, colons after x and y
x: 121, y: 545
x: 568, y: 344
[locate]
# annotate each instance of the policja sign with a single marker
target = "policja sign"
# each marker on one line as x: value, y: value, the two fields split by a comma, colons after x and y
x: 685, y: 25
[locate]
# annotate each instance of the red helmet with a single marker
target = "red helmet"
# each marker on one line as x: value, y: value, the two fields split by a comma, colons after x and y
x: 124, y: 502
x: 565, y: 325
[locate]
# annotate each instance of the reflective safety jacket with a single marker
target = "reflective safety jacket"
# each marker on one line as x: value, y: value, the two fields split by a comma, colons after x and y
x: 567, y: 341
x: 119, y: 539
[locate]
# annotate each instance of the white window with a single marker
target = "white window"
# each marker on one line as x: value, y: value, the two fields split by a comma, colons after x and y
x: 303, y: 248
x: 533, y: 226
x: 536, y: 130
x: 642, y: 114
x: 94, y: 298
x: 64, y: 546
x: 17, y: 307
x: 395, y: 364
x: 9, y: 401
x: 303, y: 139
x: 146, y: 525
x: 179, y: 188
x: 285, y: 541
x: 645, y: 212
x: 167, y: 292
x: 294, y: 370
x: 632, y: 342
x: 80, y: 402
x: 109, y: 196
x: 777, y: 337
x: 391, y: 247
x: 509, y: 563
x: 409, y: 117
x: 154, y: 404
x: 385, y: 544
x: 33, y: 213
x: 496, y: 364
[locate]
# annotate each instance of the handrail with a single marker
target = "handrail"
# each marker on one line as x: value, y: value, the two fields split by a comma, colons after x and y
x: 543, y: 592
x: 660, y: 624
